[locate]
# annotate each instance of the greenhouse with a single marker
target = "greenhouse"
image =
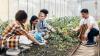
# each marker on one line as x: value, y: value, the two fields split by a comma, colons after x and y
x: 49, y: 28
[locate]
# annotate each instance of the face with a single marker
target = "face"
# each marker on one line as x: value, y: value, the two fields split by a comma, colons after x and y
x: 84, y: 15
x: 35, y: 22
x: 42, y: 16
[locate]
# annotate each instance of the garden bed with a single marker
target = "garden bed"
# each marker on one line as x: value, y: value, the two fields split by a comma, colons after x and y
x: 61, y: 43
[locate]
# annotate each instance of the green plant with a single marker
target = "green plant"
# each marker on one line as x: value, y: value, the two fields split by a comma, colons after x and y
x: 3, y: 25
x: 64, y: 33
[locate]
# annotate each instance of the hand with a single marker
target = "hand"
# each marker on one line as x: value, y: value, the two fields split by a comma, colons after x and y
x: 41, y: 43
x: 53, y: 30
x: 33, y: 31
x: 75, y: 29
x: 85, y: 35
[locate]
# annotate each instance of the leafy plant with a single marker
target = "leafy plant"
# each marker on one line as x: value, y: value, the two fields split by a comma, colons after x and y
x: 64, y: 33
x: 3, y: 25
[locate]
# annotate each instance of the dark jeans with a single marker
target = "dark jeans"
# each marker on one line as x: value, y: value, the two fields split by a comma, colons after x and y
x: 94, y: 32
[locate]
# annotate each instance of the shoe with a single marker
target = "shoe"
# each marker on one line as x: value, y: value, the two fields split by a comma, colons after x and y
x: 12, y: 52
x: 94, y: 43
x: 90, y: 45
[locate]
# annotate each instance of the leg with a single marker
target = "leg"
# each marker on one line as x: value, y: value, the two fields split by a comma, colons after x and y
x: 91, y: 36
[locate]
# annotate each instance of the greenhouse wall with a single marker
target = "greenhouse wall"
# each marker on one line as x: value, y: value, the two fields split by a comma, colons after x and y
x: 58, y: 8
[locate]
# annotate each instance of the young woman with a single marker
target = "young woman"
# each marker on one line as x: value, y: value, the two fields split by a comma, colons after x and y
x: 33, y: 22
x: 17, y: 27
x: 33, y: 30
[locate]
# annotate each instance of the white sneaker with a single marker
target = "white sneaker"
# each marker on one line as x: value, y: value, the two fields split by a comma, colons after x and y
x: 13, y: 52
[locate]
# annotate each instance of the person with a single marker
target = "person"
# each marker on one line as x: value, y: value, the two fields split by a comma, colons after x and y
x: 42, y: 25
x: 17, y: 27
x: 33, y: 30
x: 92, y: 27
x: 33, y: 21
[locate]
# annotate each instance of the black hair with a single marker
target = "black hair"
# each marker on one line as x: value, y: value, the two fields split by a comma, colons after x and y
x: 33, y: 18
x: 84, y: 11
x: 21, y: 15
x: 45, y: 11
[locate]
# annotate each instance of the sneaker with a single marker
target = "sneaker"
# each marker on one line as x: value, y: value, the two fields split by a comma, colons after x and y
x: 90, y: 44
x: 12, y: 52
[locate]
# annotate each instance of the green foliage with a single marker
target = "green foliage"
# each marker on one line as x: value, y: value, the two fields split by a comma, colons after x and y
x: 3, y: 25
x: 64, y: 37
x: 64, y: 23
x: 99, y: 23
x: 61, y: 41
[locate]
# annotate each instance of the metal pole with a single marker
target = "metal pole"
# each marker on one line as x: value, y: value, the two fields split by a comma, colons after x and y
x: 27, y: 6
x: 55, y: 7
x: 60, y: 8
x: 8, y: 10
x: 40, y: 4
x: 96, y: 8
x: 49, y: 7
x: 32, y: 7
x: 44, y: 3
x: 64, y: 7
x: 18, y: 4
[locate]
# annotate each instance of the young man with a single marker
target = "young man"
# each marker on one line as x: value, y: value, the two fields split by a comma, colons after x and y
x: 92, y: 26
x: 42, y: 25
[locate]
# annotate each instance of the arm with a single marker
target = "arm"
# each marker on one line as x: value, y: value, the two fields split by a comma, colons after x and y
x: 28, y: 35
x: 49, y: 27
x: 90, y: 26
x: 79, y: 27
x: 31, y: 37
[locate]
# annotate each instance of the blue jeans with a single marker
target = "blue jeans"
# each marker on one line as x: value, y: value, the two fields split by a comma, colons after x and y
x: 94, y: 32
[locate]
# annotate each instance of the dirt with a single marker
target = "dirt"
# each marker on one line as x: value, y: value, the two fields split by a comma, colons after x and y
x: 50, y: 51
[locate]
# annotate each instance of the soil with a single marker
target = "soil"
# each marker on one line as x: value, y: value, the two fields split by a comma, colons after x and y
x: 51, y: 50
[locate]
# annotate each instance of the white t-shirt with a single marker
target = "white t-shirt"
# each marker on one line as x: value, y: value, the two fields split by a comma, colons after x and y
x: 88, y: 21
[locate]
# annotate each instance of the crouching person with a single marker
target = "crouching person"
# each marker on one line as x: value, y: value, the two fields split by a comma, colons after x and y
x: 38, y: 36
x: 88, y: 28
x: 42, y: 25
x: 17, y: 29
